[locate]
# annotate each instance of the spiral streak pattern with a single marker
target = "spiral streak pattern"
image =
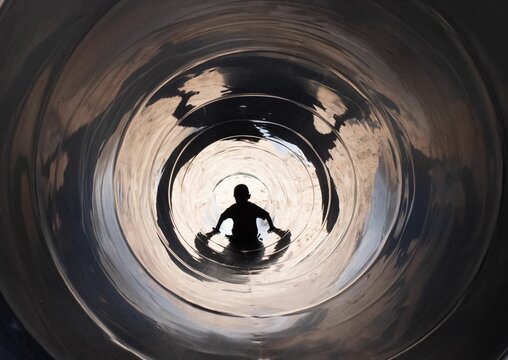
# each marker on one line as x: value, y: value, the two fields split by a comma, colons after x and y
x: 374, y: 145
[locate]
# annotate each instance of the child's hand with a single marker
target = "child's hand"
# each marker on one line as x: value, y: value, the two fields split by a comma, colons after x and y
x: 212, y: 233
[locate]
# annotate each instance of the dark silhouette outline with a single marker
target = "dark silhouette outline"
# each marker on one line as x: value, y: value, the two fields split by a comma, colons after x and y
x: 244, y: 214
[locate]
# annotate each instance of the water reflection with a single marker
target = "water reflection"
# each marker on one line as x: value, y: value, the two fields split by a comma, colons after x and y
x: 255, y: 259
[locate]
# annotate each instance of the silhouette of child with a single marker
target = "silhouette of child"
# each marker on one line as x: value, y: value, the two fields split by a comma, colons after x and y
x: 244, y: 215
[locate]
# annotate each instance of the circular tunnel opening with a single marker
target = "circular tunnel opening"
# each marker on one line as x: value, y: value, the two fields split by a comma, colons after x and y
x: 268, y: 121
x: 374, y: 150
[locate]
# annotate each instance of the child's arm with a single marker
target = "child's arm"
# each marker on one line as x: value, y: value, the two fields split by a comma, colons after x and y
x: 223, y: 217
x: 265, y: 215
x: 270, y: 223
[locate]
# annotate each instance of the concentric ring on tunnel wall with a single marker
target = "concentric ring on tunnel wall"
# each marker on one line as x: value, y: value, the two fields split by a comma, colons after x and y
x: 338, y: 118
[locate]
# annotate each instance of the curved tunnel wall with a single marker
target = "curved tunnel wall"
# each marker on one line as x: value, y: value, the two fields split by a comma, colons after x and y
x: 372, y: 133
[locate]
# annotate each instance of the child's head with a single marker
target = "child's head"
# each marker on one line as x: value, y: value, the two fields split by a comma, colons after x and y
x: 241, y: 193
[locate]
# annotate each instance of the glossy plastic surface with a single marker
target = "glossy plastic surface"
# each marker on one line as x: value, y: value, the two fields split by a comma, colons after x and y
x: 367, y: 130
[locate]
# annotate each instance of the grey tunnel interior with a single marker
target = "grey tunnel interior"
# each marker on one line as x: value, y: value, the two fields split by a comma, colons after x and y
x: 373, y: 132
